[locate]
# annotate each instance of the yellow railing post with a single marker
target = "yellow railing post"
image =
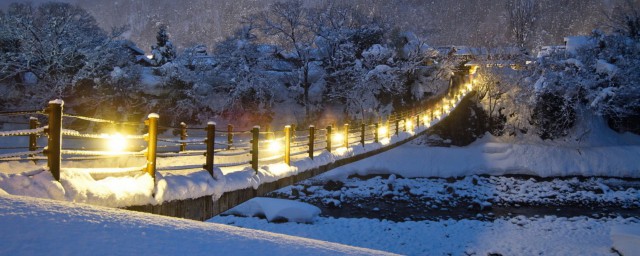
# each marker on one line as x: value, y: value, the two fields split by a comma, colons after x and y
x: 33, y: 138
x: 287, y: 144
x: 54, y: 144
x: 152, y: 145
x: 255, y: 132
x: 397, y: 126
x: 183, y: 136
x: 210, y: 141
x: 312, y: 139
x: 329, y: 138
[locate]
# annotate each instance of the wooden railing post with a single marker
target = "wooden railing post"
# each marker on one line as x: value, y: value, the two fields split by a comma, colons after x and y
x: 397, y: 126
x: 329, y: 138
x: 346, y: 135
x: 33, y: 138
x: 152, y: 145
x: 229, y: 136
x: 417, y: 120
x: 210, y: 141
x: 255, y: 132
x: 54, y: 144
x: 362, y: 130
x: 312, y: 139
x: 404, y: 128
x: 287, y: 144
x: 183, y: 136
x: 375, y: 132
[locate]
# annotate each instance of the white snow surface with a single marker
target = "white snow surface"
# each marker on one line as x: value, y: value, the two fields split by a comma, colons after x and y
x: 277, y: 209
x: 595, y: 151
x: 548, y: 235
x: 626, y: 239
x: 45, y: 227
x: 604, y: 67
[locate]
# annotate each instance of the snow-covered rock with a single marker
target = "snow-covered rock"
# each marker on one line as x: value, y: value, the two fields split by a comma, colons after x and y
x: 277, y: 209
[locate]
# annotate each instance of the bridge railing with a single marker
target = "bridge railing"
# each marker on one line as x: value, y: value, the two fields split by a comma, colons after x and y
x: 31, y: 130
x: 219, y: 147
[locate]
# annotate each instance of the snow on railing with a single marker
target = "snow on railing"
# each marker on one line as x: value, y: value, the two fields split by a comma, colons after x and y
x: 74, y: 133
x: 100, y: 153
x: 23, y: 132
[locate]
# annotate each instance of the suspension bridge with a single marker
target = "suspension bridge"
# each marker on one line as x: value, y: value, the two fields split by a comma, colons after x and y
x: 244, y: 164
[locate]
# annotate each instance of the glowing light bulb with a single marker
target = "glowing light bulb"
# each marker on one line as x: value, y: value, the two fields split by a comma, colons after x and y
x: 275, y: 146
x: 337, y: 137
x: 117, y: 143
x: 382, y: 131
x: 409, y: 124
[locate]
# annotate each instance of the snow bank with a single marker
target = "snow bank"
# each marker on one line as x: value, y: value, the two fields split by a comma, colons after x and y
x: 176, y: 186
x: 277, y: 209
x: 44, y: 227
x: 626, y: 239
x: 111, y: 191
x: 490, y: 156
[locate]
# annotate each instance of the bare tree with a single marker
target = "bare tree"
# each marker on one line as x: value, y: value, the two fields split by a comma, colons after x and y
x: 288, y: 22
x: 522, y: 20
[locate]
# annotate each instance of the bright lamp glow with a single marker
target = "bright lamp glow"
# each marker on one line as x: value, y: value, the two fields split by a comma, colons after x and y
x: 409, y: 124
x: 117, y: 143
x: 337, y: 137
x: 437, y: 114
x: 382, y: 131
x: 469, y: 87
x: 275, y: 146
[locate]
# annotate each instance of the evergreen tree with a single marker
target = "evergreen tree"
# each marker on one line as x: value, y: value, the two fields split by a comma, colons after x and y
x: 163, y: 51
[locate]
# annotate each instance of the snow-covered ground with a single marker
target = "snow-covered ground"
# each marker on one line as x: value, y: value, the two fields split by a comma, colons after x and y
x: 513, y: 236
x: 31, y: 226
x: 519, y: 235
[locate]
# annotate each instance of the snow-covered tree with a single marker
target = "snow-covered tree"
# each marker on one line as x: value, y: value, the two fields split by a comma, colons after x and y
x: 50, y: 44
x: 288, y: 24
x: 163, y: 51
x: 624, y: 19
